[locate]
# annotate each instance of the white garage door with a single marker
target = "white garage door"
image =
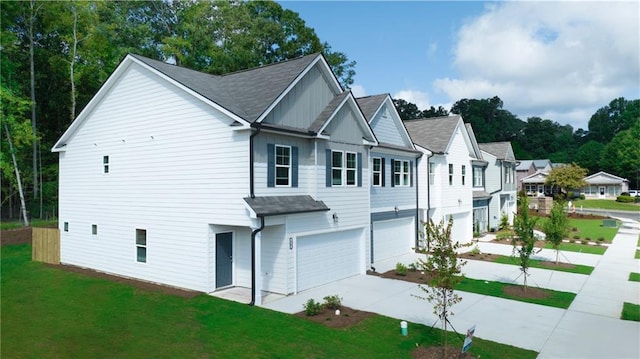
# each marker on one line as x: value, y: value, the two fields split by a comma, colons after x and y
x: 327, y: 257
x: 393, y: 238
x: 462, y: 228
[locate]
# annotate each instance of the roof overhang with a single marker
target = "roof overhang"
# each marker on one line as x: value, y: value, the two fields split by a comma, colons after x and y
x: 267, y: 206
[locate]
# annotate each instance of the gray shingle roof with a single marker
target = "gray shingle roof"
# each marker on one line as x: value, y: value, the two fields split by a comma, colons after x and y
x: 280, y: 205
x: 245, y: 93
x: 433, y: 134
x: 370, y: 104
x: 502, y: 150
x: 324, y: 116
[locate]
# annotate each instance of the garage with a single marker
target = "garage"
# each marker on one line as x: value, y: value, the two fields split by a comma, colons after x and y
x: 327, y: 257
x: 462, y: 228
x: 393, y: 238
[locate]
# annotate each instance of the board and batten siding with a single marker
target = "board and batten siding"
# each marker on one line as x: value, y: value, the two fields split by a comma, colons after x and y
x: 302, y: 105
x: 175, y: 166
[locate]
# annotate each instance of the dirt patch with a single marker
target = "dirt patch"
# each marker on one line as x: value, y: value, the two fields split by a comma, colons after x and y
x: 438, y: 353
x: 347, y: 318
x: 414, y: 276
x: 530, y: 293
x: 15, y: 236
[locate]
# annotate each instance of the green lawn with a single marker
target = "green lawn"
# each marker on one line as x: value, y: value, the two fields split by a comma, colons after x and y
x: 534, y: 263
x: 34, y: 223
x: 630, y: 311
x: 580, y: 248
x: 637, y: 254
x: 555, y: 299
x: 634, y: 277
x: 51, y: 313
x: 587, y: 228
x: 605, y: 204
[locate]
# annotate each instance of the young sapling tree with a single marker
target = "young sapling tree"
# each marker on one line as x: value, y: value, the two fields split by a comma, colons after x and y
x: 524, y: 239
x: 557, y: 227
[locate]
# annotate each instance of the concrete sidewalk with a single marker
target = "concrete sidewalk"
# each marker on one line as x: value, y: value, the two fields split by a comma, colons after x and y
x: 590, y: 328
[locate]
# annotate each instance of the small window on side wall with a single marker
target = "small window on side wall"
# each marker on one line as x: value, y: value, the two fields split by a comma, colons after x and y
x: 141, y: 245
x: 66, y: 226
x: 94, y: 229
x: 105, y: 164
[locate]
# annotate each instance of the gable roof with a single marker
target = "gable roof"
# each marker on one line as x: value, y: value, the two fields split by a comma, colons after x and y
x: 537, y: 164
x: 502, y: 150
x: 538, y: 177
x: 604, y: 178
x: 434, y: 133
x: 477, y: 154
x: 371, y: 106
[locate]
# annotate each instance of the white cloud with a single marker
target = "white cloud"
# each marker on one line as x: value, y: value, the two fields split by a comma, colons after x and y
x: 358, y: 91
x: 419, y: 98
x: 564, y: 59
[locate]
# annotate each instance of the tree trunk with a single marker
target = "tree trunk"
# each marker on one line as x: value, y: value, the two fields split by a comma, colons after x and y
x: 15, y: 166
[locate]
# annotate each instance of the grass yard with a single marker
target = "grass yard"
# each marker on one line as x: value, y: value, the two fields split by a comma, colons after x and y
x: 587, y: 228
x: 637, y: 254
x: 535, y: 263
x: 634, y: 277
x: 605, y: 204
x: 630, y: 311
x: 48, y: 312
x: 555, y: 298
x: 33, y: 223
x: 580, y: 248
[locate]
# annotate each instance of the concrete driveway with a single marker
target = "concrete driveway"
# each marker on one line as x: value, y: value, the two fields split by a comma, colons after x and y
x: 590, y: 328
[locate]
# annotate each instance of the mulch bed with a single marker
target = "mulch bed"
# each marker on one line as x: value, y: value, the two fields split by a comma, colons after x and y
x: 15, y: 236
x: 347, y: 318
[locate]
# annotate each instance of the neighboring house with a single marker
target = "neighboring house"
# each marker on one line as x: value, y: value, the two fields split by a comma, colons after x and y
x: 481, y: 198
x: 500, y: 181
x: 394, y: 221
x: 605, y: 185
x: 444, y: 172
x: 526, y: 168
x: 256, y: 179
x: 534, y: 185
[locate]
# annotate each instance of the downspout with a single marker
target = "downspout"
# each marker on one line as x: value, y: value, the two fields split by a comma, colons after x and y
x: 253, y: 262
x: 258, y: 230
x: 417, y: 182
x: 428, y: 192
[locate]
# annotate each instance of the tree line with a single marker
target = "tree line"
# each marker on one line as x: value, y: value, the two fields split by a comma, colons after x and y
x: 611, y: 143
x: 54, y: 56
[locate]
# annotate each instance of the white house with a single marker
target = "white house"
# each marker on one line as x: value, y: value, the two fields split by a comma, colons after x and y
x: 256, y: 179
x: 394, y: 220
x: 605, y: 185
x: 445, y: 172
x: 500, y: 181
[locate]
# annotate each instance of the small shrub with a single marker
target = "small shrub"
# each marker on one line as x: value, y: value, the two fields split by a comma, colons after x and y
x: 475, y: 251
x: 582, y: 196
x: 311, y: 307
x: 574, y: 229
x: 504, y: 234
x: 624, y: 199
x: 333, y: 302
x: 585, y: 241
x: 600, y: 239
x: 576, y: 237
x: 572, y: 240
x: 401, y: 269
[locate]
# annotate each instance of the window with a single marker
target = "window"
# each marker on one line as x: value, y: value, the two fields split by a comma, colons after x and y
x: 336, y: 168
x: 283, y: 165
x: 477, y: 177
x: 464, y: 172
x: 94, y: 229
x: 450, y: 174
x: 141, y: 245
x: 105, y: 163
x: 66, y: 226
x: 401, y: 174
x: 352, y: 168
x: 432, y: 173
x: 377, y: 172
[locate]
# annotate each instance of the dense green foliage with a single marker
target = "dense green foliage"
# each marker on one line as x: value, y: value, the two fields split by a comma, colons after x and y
x: 524, y: 239
x: 48, y: 312
x: 556, y: 228
x: 76, y: 45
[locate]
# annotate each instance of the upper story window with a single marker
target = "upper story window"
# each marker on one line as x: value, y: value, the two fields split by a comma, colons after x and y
x: 377, y: 172
x: 432, y: 173
x: 401, y: 173
x: 105, y: 164
x: 450, y: 174
x: 464, y: 173
x: 282, y: 166
x: 477, y: 177
x: 344, y: 168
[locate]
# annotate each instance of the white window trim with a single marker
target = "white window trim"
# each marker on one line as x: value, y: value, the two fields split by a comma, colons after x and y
x: 432, y: 173
x: 451, y: 174
x: 377, y: 173
x: 344, y: 169
x: 275, y: 162
x: 480, y: 182
x: 403, y: 175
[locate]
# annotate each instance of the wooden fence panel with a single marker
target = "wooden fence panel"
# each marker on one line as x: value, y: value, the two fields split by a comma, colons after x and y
x: 45, y: 245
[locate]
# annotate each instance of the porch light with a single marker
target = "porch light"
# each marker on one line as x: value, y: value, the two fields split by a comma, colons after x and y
x: 397, y: 209
x: 335, y: 217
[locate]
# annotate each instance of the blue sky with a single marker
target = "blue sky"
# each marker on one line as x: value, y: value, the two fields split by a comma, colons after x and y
x: 556, y: 60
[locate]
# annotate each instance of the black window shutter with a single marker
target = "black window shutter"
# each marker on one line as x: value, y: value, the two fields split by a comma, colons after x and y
x: 411, y: 173
x: 382, y: 169
x: 294, y: 166
x: 271, y: 165
x: 359, y: 166
x: 328, y: 168
x: 393, y: 173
